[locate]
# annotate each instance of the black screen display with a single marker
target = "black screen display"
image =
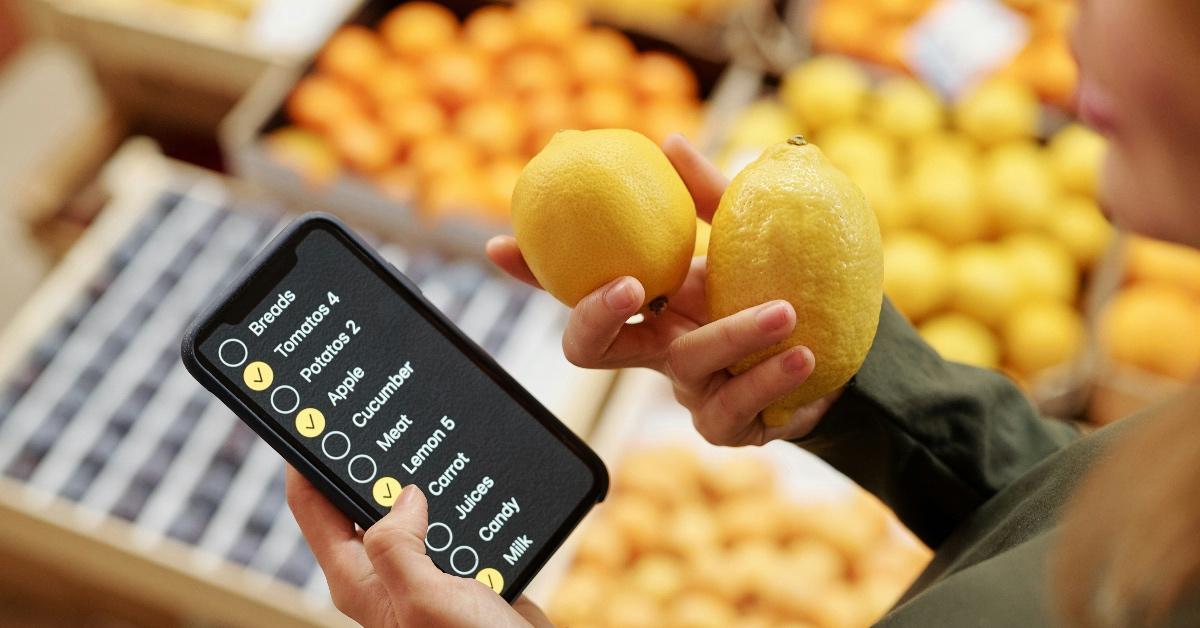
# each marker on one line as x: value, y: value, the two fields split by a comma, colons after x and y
x: 356, y: 373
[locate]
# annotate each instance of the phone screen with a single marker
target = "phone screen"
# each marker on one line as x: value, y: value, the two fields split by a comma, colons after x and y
x: 370, y: 385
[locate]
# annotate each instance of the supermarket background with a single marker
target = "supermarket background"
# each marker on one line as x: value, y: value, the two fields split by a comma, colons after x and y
x: 149, y: 147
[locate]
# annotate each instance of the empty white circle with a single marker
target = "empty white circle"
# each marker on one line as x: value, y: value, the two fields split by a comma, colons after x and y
x: 295, y: 402
x: 350, y: 468
x: 325, y: 446
x: 449, y: 536
x: 470, y: 570
x: 236, y: 342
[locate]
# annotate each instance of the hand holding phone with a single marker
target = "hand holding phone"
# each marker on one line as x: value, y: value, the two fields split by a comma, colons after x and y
x: 384, y: 577
x: 336, y: 360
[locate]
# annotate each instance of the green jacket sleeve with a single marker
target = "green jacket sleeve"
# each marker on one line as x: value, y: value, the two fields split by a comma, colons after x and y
x: 933, y: 439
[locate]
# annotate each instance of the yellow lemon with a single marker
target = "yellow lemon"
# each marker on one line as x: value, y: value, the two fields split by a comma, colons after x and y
x: 1044, y: 267
x: 916, y: 275
x: 1077, y: 155
x: 906, y: 109
x: 960, y: 338
x: 983, y: 284
x: 1154, y: 260
x: 943, y: 196
x: 936, y: 146
x: 762, y: 124
x: 1153, y: 326
x: 884, y: 194
x: 825, y: 91
x: 998, y: 111
x: 858, y: 149
x: 1017, y: 187
x: 597, y: 205
x: 1079, y: 225
x: 1042, y: 334
x: 791, y: 226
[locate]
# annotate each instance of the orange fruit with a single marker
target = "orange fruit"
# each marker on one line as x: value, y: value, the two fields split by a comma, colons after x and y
x: 494, y: 125
x: 410, y: 120
x: 500, y: 179
x: 605, y: 107
x: 393, y: 82
x: 491, y: 29
x: 841, y: 27
x: 661, y: 118
x: 890, y: 45
x: 363, y: 144
x: 532, y: 71
x: 1053, y: 18
x: 1052, y: 69
x: 318, y: 102
x: 661, y: 75
x: 454, y: 193
x: 549, y: 23
x: 305, y: 152
x: 418, y: 29
x: 441, y: 154
x: 601, y: 55
x: 546, y: 113
x: 354, y: 53
x: 457, y: 75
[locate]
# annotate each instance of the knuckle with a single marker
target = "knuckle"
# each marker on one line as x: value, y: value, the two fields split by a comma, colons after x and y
x: 676, y: 359
x: 703, y: 423
x: 726, y: 407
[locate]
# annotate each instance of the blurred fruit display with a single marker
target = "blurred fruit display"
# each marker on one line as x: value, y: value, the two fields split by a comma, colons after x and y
x: 989, y: 232
x: 684, y: 543
x: 1152, y: 322
x: 878, y: 31
x: 444, y: 114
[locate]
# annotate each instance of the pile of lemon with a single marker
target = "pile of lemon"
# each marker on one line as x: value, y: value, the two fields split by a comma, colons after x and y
x: 879, y: 31
x: 682, y: 543
x: 987, y: 231
x: 446, y: 114
x: 1152, y: 322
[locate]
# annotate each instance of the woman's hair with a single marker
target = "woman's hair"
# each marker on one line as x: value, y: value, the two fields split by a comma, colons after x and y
x: 1129, y: 546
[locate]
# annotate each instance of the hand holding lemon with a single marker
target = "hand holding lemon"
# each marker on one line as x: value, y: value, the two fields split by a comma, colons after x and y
x: 693, y: 349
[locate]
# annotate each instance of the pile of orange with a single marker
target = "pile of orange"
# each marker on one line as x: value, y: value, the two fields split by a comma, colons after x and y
x: 877, y: 30
x: 445, y: 114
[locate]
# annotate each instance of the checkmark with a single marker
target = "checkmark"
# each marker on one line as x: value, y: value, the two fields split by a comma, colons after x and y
x: 388, y: 491
x: 311, y: 424
x: 260, y: 377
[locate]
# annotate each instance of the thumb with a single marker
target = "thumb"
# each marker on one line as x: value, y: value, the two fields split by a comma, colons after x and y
x: 395, y: 545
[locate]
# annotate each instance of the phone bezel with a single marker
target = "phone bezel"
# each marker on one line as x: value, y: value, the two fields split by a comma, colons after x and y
x: 245, y: 289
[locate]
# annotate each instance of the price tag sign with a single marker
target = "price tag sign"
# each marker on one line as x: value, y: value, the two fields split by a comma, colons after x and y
x: 958, y: 42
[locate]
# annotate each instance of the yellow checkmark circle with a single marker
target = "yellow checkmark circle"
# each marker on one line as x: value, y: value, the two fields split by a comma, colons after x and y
x: 492, y: 578
x: 310, y: 422
x: 258, y: 376
x: 385, y: 491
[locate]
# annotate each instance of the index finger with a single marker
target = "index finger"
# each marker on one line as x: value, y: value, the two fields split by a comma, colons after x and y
x: 703, y: 180
x: 504, y: 252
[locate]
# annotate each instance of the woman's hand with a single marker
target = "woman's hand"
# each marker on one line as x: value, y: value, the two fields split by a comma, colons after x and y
x: 383, y: 577
x: 682, y: 343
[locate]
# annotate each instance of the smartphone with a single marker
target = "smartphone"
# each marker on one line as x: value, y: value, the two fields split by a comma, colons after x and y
x: 336, y: 360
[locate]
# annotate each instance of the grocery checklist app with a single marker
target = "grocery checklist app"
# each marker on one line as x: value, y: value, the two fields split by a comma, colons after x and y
x: 368, y: 387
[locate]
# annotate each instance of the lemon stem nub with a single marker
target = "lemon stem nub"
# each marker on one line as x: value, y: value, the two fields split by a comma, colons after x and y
x: 797, y: 140
x: 657, y: 305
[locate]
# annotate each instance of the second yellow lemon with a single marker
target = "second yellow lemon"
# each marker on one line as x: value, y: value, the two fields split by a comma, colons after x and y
x: 791, y: 226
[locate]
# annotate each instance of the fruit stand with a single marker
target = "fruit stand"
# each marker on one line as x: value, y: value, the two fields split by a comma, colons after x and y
x: 413, y: 120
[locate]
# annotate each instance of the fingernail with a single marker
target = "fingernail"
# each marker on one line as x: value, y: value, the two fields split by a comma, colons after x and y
x: 619, y: 296
x: 407, y: 496
x: 796, y: 360
x: 772, y: 317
